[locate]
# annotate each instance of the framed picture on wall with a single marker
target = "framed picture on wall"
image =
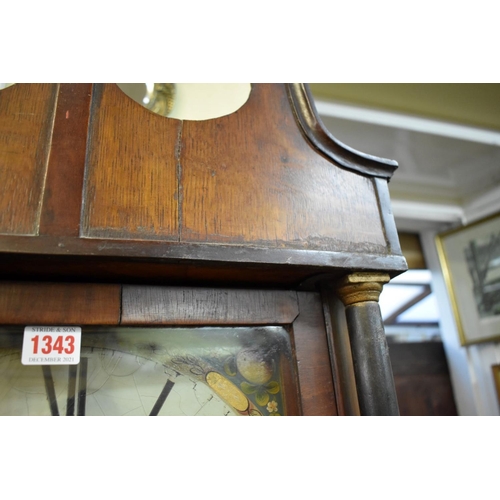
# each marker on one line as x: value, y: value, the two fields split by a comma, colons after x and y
x: 496, y: 376
x: 470, y: 259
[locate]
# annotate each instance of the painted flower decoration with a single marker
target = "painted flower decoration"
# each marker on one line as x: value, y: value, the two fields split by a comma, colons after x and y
x: 261, y: 392
x: 272, y: 407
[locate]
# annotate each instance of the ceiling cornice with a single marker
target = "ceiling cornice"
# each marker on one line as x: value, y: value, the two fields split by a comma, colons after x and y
x: 472, y: 104
x: 407, y: 122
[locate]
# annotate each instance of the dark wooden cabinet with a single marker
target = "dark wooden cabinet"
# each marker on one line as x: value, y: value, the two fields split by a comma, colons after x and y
x: 105, y: 203
x: 422, y: 379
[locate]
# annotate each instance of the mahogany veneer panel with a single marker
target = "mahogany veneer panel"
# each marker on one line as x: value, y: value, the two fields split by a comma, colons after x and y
x: 198, y: 306
x: 251, y: 178
x: 59, y: 303
x: 341, y: 354
x: 313, y: 359
x: 62, y: 201
x: 26, y: 120
x: 131, y: 187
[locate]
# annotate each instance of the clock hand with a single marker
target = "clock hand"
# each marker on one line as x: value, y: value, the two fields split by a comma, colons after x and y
x: 70, y: 404
x: 161, y: 399
x: 49, y: 389
x: 82, y: 387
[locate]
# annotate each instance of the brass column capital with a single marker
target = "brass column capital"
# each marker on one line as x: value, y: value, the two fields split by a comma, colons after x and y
x: 361, y: 287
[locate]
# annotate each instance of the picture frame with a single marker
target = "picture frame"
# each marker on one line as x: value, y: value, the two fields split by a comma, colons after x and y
x: 496, y: 376
x: 470, y: 260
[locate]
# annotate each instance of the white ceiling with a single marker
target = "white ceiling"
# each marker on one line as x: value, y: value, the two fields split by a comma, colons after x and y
x: 441, y: 172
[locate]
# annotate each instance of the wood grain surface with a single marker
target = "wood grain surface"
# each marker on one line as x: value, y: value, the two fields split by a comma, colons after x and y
x: 249, y: 178
x: 198, y: 306
x: 154, y: 262
x: 59, y: 303
x: 313, y: 360
x: 26, y: 120
x: 340, y: 354
x: 131, y: 186
x: 235, y: 201
x: 252, y: 178
x: 62, y: 201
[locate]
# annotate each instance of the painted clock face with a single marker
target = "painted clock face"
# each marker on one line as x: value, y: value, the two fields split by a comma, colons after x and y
x: 134, y: 371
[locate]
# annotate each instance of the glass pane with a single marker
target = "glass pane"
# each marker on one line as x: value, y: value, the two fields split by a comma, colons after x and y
x: 189, y: 101
x: 161, y: 371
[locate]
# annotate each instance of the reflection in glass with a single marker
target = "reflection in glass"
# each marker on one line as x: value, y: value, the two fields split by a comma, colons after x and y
x: 189, y: 371
x: 160, y: 98
x: 189, y: 101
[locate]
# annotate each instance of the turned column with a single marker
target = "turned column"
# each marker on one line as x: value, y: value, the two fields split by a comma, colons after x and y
x: 372, y: 366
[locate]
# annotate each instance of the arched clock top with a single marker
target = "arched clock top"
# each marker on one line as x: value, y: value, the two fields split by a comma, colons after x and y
x: 263, y: 195
x: 324, y: 142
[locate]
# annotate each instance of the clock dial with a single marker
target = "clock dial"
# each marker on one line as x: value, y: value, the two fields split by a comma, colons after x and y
x: 155, y: 372
x: 107, y: 382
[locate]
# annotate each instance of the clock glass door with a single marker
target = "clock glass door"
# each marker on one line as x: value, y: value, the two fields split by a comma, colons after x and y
x: 155, y: 371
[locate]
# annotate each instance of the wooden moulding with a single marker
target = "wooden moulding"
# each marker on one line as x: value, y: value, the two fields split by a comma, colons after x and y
x: 313, y: 360
x: 239, y: 270
x: 26, y: 120
x: 324, y: 142
x: 153, y: 262
x: 340, y: 353
x: 198, y: 306
x: 59, y: 304
x: 361, y: 287
x: 62, y: 201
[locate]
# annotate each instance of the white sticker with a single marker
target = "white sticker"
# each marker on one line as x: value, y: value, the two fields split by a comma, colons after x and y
x: 51, y: 345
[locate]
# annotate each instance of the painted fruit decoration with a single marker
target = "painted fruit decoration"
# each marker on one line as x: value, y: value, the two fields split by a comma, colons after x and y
x: 257, y: 367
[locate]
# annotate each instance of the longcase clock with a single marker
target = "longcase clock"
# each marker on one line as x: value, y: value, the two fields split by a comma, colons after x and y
x: 229, y: 265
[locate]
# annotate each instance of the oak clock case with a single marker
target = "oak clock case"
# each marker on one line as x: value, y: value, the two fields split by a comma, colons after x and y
x: 112, y: 216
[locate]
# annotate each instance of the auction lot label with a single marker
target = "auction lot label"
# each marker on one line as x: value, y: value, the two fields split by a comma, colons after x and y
x: 51, y: 345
